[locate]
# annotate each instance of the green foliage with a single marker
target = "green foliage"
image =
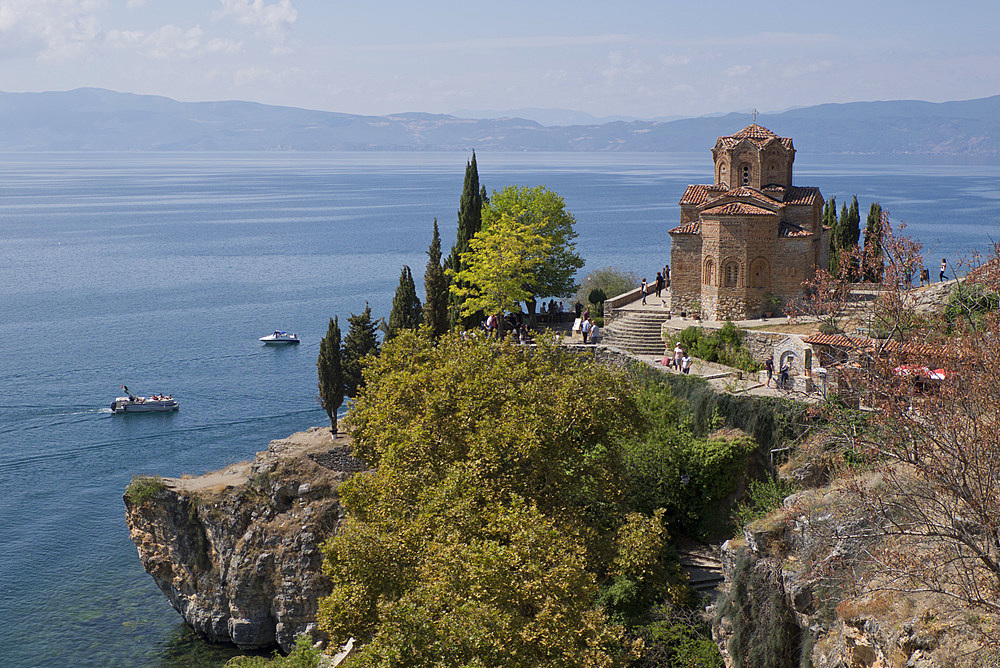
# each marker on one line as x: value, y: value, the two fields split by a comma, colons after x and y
x: 303, y: 655
x: 611, y: 280
x: 597, y: 296
x: 544, y: 213
x: 470, y: 221
x: 763, y: 497
x: 677, y: 637
x: 330, y: 367
x: 493, y: 508
x: 144, y: 488
x: 765, y: 634
x: 873, y: 253
x: 724, y: 346
x: 691, y: 477
x: 361, y: 342
x: 406, y: 311
x: 435, y: 288
x: 503, y: 259
x: 969, y: 303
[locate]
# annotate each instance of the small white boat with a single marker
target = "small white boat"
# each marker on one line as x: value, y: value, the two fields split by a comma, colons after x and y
x: 156, y: 403
x: 279, y: 337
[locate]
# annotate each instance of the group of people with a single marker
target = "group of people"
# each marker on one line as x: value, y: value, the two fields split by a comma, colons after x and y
x: 551, y: 312
x: 680, y: 360
x: 925, y: 274
x: 783, y: 373
x: 589, y: 329
x: 662, y: 281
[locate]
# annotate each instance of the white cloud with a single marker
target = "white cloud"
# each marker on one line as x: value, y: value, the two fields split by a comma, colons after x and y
x: 273, y: 18
x: 135, y: 4
x: 736, y: 70
x: 173, y: 42
x: 50, y: 29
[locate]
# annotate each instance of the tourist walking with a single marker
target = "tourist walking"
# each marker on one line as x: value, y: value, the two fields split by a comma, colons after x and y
x: 686, y: 364
x: 659, y: 283
x: 769, y: 367
x: 941, y: 277
x: 644, y: 287
x: 783, y: 378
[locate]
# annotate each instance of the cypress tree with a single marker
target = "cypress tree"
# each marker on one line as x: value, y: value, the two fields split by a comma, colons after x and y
x: 361, y: 341
x: 331, y: 373
x: 435, y: 288
x: 406, y: 312
x: 470, y: 221
x: 853, y: 233
x: 830, y: 220
x: 874, y: 262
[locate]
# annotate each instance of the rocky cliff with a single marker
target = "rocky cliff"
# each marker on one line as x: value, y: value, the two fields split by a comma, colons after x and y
x: 237, y: 552
x: 790, y: 583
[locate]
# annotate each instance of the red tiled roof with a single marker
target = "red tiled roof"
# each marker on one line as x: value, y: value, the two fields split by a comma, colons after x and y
x: 688, y: 228
x: 700, y: 194
x: 841, y: 341
x: 801, y: 195
x: 758, y: 134
x: 793, y: 230
x: 737, y: 209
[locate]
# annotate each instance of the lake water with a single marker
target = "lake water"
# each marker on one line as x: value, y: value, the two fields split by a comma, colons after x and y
x: 160, y: 271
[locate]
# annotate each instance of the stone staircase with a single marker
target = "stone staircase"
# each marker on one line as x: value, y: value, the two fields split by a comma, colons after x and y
x: 638, y: 332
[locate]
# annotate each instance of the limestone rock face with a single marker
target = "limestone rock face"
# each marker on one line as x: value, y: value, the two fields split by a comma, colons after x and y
x: 237, y: 552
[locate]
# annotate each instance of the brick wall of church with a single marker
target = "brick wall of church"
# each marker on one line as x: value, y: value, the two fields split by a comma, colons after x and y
x: 685, y: 270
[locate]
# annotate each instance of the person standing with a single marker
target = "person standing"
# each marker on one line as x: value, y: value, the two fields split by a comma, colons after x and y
x: 666, y: 275
x: 678, y: 356
x: 686, y: 364
x: 769, y: 367
x: 585, y: 328
x: 783, y: 378
x: 644, y: 287
x: 941, y: 277
x: 659, y: 283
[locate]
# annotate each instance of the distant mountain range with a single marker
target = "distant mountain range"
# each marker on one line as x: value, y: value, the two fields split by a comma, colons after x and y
x: 90, y: 119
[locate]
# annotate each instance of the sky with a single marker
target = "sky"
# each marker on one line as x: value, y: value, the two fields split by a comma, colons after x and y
x: 636, y: 58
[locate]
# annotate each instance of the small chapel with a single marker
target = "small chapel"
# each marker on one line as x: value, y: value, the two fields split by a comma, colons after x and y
x: 747, y: 241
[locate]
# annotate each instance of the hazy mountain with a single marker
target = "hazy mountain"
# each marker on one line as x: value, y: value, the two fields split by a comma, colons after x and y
x: 552, y: 117
x: 93, y: 119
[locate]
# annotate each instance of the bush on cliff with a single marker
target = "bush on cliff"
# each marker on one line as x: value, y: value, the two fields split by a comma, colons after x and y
x: 494, y: 512
x: 144, y: 488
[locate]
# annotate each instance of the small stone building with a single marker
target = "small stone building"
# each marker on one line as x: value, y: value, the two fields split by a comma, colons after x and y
x: 751, y: 238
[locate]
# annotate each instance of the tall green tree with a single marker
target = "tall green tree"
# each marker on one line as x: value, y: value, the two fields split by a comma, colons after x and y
x: 406, y: 311
x: 830, y: 220
x: 853, y: 233
x: 470, y: 221
x: 361, y: 342
x: 331, y: 373
x: 435, y: 288
x: 500, y: 265
x: 873, y: 252
x: 545, y: 214
x: 479, y: 536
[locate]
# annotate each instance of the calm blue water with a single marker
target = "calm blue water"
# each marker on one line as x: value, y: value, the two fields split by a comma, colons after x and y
x: 160, y: 272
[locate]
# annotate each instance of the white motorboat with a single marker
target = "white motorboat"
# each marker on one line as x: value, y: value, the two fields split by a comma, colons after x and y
x: 280, y: 337
x: 156, y: 403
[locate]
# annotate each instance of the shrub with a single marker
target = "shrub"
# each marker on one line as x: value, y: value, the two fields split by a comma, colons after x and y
x: 144, y: 488
x: 723, y: 346
x: 303, y: 655
x: 763, y: 496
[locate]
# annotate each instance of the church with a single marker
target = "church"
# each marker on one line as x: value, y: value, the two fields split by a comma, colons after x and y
x: 747, y: 242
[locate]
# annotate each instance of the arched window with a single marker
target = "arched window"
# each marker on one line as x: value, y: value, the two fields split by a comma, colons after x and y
x: 732, y: 275
x: 745, y: 175
x: 709, y: 271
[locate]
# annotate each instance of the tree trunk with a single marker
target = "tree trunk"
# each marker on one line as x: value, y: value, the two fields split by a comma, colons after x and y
x: 530, y: 305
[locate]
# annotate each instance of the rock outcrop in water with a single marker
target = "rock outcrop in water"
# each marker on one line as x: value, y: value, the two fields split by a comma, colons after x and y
x: 237, y: 551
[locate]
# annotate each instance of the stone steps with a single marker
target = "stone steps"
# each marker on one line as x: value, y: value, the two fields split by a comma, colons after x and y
x: 638, y: 332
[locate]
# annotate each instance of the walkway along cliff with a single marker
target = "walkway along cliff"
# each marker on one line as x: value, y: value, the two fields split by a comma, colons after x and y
x: 237, y: 552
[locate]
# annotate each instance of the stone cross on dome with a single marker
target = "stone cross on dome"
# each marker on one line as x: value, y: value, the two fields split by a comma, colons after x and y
x: 755, y: 117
